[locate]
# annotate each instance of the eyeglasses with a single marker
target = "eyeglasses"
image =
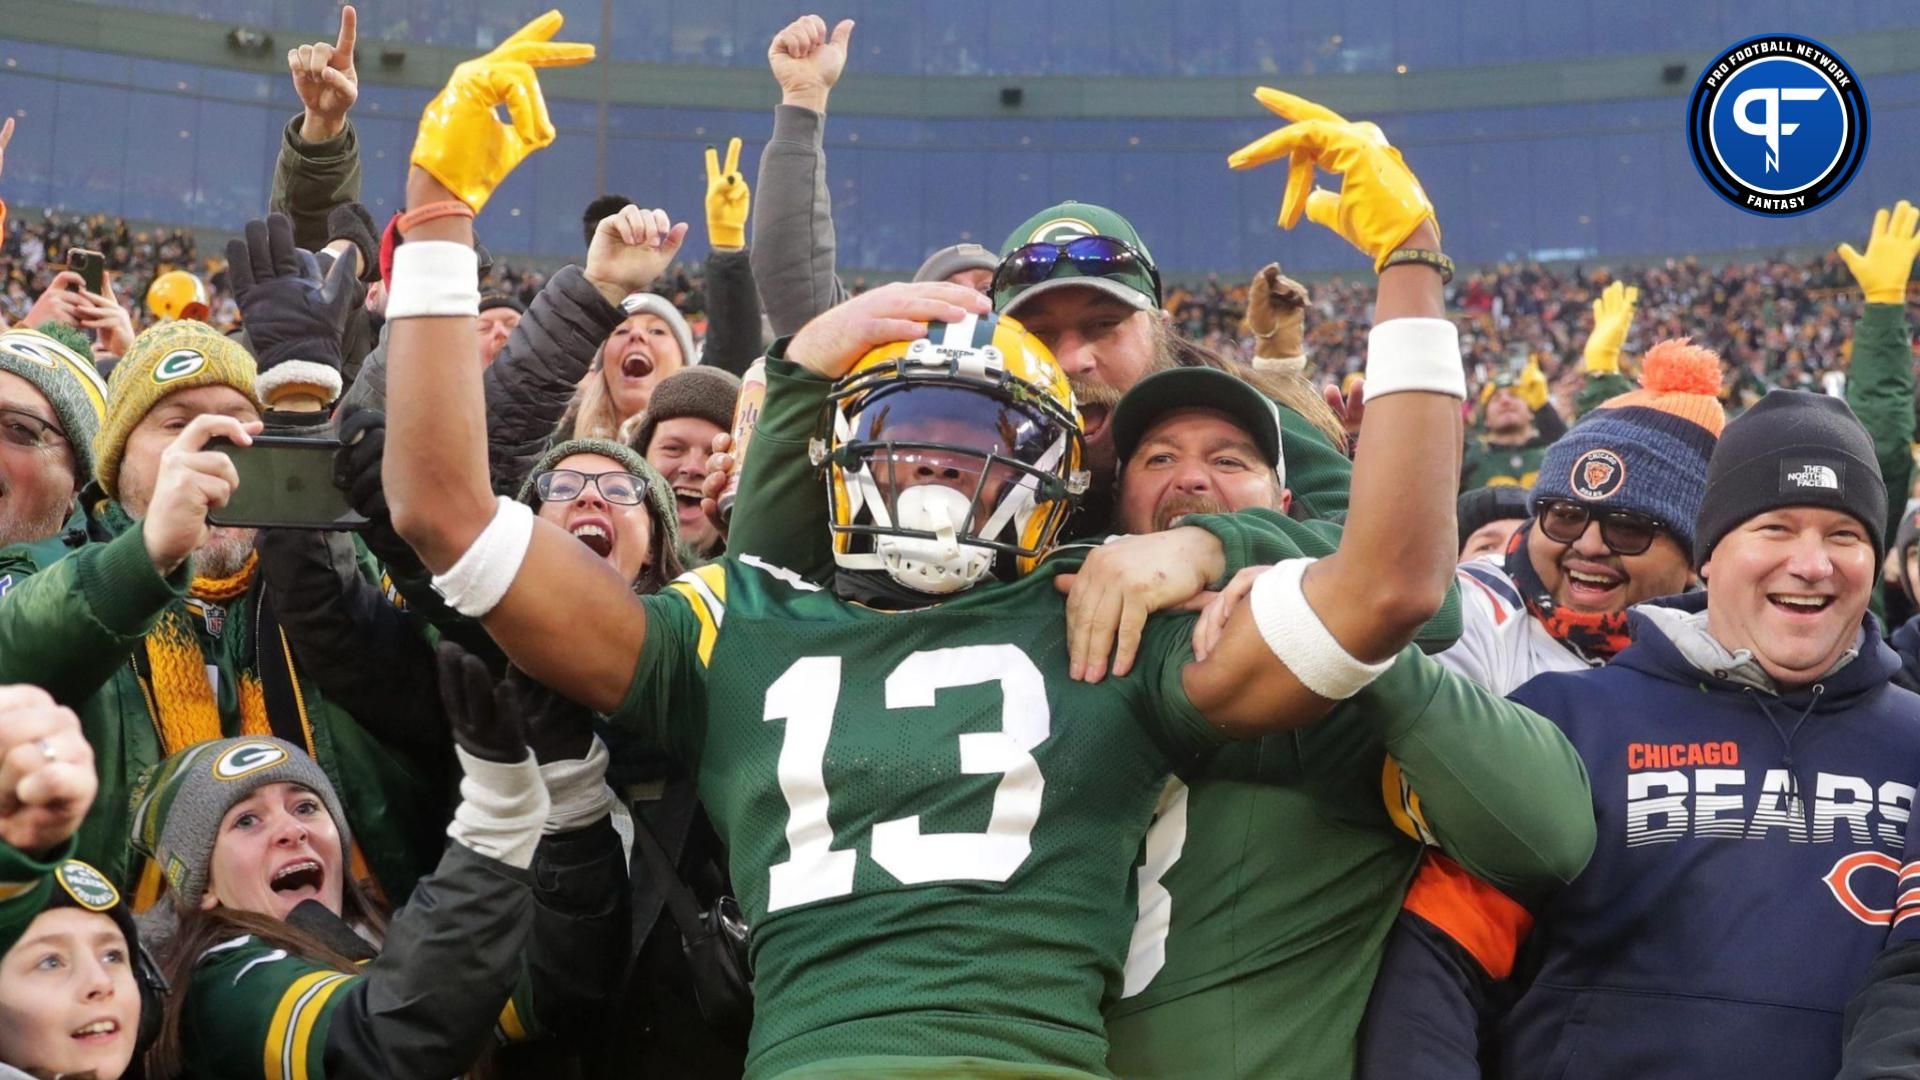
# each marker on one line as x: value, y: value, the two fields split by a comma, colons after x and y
x: 1093, y: 256
x: 565, y: 485
x: 1624, y: 532
x: 25, y: 430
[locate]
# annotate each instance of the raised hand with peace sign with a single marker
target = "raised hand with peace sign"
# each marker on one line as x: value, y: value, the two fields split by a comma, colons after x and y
x: 462, y: 144
x: 727, y: 199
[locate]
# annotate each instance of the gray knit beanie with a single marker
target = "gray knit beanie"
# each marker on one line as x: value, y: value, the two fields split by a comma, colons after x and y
x: 646, y: 303
x: 71, y: 383
x: 179, y: 803
x: 705, y: 392
x: 949, y: 261
x: 659, y: 492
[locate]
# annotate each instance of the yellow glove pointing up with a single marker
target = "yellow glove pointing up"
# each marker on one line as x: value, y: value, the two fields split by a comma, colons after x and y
x: 1612, y: 314
x: 727, y: 199
x: 1532, y: 385
x: 1883, y: 271
x: 1380, y: 202
x: 461, y: 143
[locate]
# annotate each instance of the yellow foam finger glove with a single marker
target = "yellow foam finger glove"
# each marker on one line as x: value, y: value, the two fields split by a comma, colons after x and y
x: 1531, y: 386
x: 1380, y: 202
x: 1612, y: 315
x: 727, y: 199
x: 1884, y: 270
x: 462, y: 143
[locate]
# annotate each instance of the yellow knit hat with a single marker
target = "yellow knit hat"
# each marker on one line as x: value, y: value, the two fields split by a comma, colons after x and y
x: 167, y: 358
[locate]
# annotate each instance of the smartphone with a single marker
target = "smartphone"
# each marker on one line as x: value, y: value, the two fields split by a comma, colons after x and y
x: 91, y: 266
x: 286, y: 482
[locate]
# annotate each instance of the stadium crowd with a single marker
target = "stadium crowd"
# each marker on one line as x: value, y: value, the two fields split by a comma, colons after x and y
x: 410, y: 667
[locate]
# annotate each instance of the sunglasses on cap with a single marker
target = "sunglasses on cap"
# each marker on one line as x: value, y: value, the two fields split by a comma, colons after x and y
x: 1623, y: 531
x: 1093, y: 256
x: 565, y: 485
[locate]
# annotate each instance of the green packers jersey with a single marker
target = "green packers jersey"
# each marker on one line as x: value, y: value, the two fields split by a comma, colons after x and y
x: 931, y: 828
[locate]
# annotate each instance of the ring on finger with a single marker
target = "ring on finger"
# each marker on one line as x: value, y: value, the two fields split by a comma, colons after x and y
x: 47, y: 751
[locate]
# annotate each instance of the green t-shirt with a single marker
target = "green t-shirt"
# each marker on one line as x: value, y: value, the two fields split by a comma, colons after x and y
x: 932, y: 829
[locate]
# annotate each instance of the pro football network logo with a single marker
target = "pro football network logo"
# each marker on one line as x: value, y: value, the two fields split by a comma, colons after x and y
x: 1777, y: 125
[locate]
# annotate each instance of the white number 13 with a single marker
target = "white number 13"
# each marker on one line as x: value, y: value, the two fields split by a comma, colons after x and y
x: 806, y: 696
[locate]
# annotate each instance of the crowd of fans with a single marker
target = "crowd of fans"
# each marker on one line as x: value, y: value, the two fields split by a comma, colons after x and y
x: 411, y: 666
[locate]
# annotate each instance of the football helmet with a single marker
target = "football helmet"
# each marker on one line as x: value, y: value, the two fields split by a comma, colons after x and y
x: 177, y: 294
x: 951, y: 456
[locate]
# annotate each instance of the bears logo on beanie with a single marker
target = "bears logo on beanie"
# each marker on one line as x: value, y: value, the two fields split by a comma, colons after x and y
x: 179, y: 803
x: 1646, y: 450
x: 165, y: 359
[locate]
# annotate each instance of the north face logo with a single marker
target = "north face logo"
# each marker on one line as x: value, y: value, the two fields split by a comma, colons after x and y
x: 1815, y: 476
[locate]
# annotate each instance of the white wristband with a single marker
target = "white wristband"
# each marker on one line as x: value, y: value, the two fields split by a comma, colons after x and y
x: 1301, y: 641
x: 433, y: 277
x: 577, y: 790
x: 502, y: 808
x: 482, y: 575
x: 1415, y: 354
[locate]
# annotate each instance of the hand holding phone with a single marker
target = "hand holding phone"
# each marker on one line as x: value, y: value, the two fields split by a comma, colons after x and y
x: 285, y: 482
x: 91, y: 266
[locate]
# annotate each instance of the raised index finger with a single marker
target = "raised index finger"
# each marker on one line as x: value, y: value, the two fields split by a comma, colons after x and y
x: 733, y: 154
x: 713, y: 163
x: 349, y: 30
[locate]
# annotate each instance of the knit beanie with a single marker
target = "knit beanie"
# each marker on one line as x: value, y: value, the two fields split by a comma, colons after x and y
x: 1483, y: 506
x: 659, y: 493
x: 1646, y: 450
x: 1793, y: 448
x: 949, y: 261
x: 705, y: 392
x: 165, y: 359
x: 71, y: 385
x: 646, y: 303
x: 75, y: 884
x: 179, y: 803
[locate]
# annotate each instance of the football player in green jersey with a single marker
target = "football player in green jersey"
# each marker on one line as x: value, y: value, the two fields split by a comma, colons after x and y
x: 931, y: 824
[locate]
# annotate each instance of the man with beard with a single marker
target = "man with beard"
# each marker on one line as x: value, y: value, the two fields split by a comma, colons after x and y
x: 51, y: 401
x: 154, y: 627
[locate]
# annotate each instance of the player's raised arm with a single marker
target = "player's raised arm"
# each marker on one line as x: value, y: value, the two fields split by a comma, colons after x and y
x: 1317, y: 631
x: 531, y: 584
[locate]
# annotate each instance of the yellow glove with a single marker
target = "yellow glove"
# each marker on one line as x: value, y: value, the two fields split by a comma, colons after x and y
x: 1883, y: 271
x: 727, y: 199
x: 1380, y: 202
x: 461, y: 143
x: 1612, y: 314
x: 1532, y: 385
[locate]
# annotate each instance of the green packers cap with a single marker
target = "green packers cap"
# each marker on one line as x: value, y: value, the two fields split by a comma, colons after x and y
x: 1164, y: 392
x: 1069, y: 221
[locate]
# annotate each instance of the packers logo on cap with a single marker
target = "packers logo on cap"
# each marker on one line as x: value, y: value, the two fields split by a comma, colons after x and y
x: 1061, y: 230
x: 246, y: 759
x: 88, y: 887
x: 178, y: 364
x: 1597, y: 474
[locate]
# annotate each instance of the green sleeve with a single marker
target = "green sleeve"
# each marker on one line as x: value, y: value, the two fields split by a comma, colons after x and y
x: 1494, y: 784
x: 1880, y: 392
x: 255, y: 1011
x: 780, y: 511
x: 666, y: 702
x: 1259, y: 537
x: 68, y: 627
x: 310, y: 179
x: 1319, y: 474
x: 1599, y: 388
x: 25, y: 883
x: 1166, y: 648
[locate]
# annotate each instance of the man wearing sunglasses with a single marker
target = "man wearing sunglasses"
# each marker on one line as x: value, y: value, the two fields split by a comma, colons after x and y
x: 51, y: 403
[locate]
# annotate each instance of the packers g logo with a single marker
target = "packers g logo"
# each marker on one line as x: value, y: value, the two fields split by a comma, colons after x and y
x: 1597, y: 474
x: 1061, y: 230
x: 178, y: 364
x: 247, y: 759
x: 1777, y: 125
x: 37, y: 352
x: 88, y: 887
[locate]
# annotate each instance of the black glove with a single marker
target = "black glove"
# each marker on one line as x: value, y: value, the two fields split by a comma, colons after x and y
x: 486, y: 719
x: 356, y: 472
x: 350, y: 221
x: 290, y: 313
x: 557, y: 729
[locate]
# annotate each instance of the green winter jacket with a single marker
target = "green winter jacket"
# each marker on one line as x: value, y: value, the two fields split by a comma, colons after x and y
x: 75, y: 610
